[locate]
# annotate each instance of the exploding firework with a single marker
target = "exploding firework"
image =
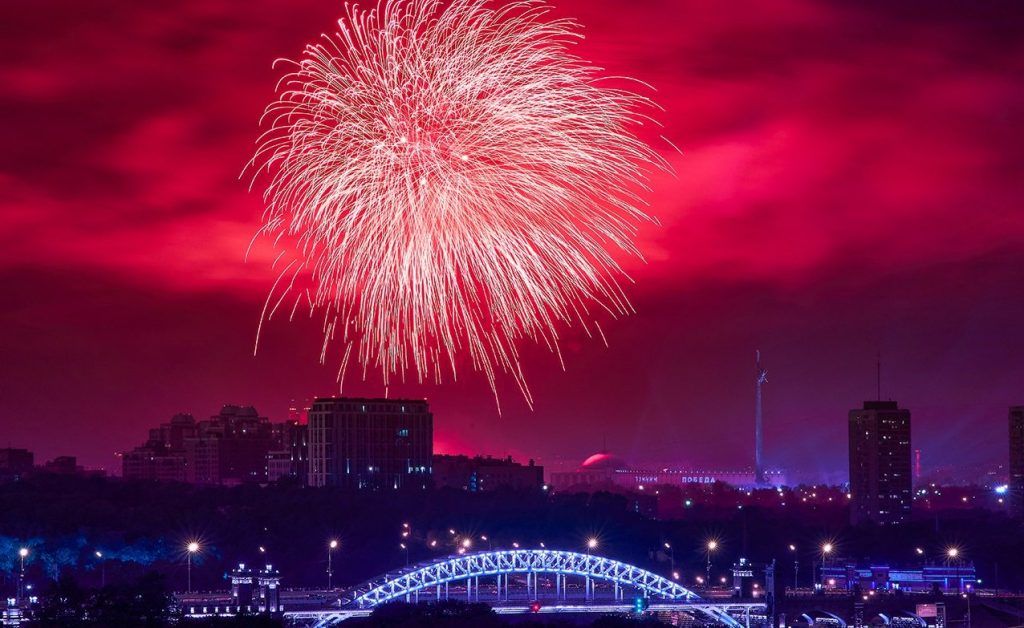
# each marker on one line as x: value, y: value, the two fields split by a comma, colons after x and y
x: 454, y: 182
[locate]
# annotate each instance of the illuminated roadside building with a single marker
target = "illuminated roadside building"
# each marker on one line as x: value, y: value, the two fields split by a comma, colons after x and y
x: 881, y: 484
x: 1015, y: 487
x: 848, y: 576
x: 374, y: 444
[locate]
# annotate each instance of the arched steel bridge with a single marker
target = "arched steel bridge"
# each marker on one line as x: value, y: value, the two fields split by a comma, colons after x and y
x: 498, y: 569
x: 500, y: 564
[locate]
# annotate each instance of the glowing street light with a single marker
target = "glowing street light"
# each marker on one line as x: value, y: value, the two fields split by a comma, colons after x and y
x: 953, y: 552
x: 103, y: 568
x: 920, y: 551
x: 467, y: 543
x: 671, y: 556
x: 191, y: 548
x: 796, y: 567
x: 405, y: 548
x: 826, y: 549
x: 711, y: 546
x: 22, y: 554
x: 591, y: 544
x: 331, y: 546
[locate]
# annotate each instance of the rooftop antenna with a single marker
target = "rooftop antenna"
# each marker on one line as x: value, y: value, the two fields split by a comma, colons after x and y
x: 762, y: 377
x: 878, y: 375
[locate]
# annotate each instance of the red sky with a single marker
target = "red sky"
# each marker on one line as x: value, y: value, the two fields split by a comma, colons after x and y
x: 850, y: 183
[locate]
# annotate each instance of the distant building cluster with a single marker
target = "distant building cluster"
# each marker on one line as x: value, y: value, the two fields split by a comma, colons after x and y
x: 16, y: 464
x: 235, y: 446
x: 480, y: 474
x: 357, y: 443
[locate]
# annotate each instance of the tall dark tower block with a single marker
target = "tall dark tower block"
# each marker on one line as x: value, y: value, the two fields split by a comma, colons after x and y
x: 1016, y: 484
x: 881, y: 482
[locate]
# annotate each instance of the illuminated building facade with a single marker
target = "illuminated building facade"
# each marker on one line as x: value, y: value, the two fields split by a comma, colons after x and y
x: 881, y: 484
x: 370, y: 444
x: 1015, y: 487
x: 605, y: 469
x: 947, y: 577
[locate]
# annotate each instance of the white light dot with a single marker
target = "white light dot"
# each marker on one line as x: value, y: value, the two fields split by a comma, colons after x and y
x: 465, y: 158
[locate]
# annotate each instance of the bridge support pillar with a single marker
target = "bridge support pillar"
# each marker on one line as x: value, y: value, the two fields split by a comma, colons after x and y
x: 438, y: 593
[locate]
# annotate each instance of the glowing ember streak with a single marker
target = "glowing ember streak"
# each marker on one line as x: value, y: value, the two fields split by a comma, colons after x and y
x: 454, y: 182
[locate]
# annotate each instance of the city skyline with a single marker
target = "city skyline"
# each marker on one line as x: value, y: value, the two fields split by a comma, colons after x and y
x: 847, y: 186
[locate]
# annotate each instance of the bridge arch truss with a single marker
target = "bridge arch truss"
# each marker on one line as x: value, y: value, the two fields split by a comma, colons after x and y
x: 504, y: 563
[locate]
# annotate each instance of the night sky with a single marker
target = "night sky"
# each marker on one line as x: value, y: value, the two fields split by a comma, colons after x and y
x: 850, y: 184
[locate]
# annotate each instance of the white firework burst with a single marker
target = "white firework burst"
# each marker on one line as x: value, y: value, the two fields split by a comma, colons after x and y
x: 453, y: 181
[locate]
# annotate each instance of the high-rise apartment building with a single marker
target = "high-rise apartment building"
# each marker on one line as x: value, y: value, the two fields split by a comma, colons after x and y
x: 881, y: 483
x: 370, y: 443
x: 290, y: 456
x: 230, y: 447
x: 1016, y: 483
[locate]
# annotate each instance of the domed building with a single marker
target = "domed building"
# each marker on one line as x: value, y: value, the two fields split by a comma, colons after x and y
x: 597, y: 470
x: 603, y: 460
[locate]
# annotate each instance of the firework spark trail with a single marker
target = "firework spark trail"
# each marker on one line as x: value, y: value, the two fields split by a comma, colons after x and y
x: 454, y: 182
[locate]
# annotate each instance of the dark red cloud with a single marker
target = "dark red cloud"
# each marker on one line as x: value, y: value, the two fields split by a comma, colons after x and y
x: 849, y: 183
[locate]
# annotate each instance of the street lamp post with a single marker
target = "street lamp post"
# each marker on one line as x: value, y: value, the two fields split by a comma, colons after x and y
x: 826, y: 549
x: 22, y: 553
x: 954, y: 557
x: 405, y: 548
x: 191, y: 548
x: 711, y: 546
x: 796, y: 567
x: 671, y: 556
x: 591, y: 546
x: 103, y: 569
x: 331, y: 546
